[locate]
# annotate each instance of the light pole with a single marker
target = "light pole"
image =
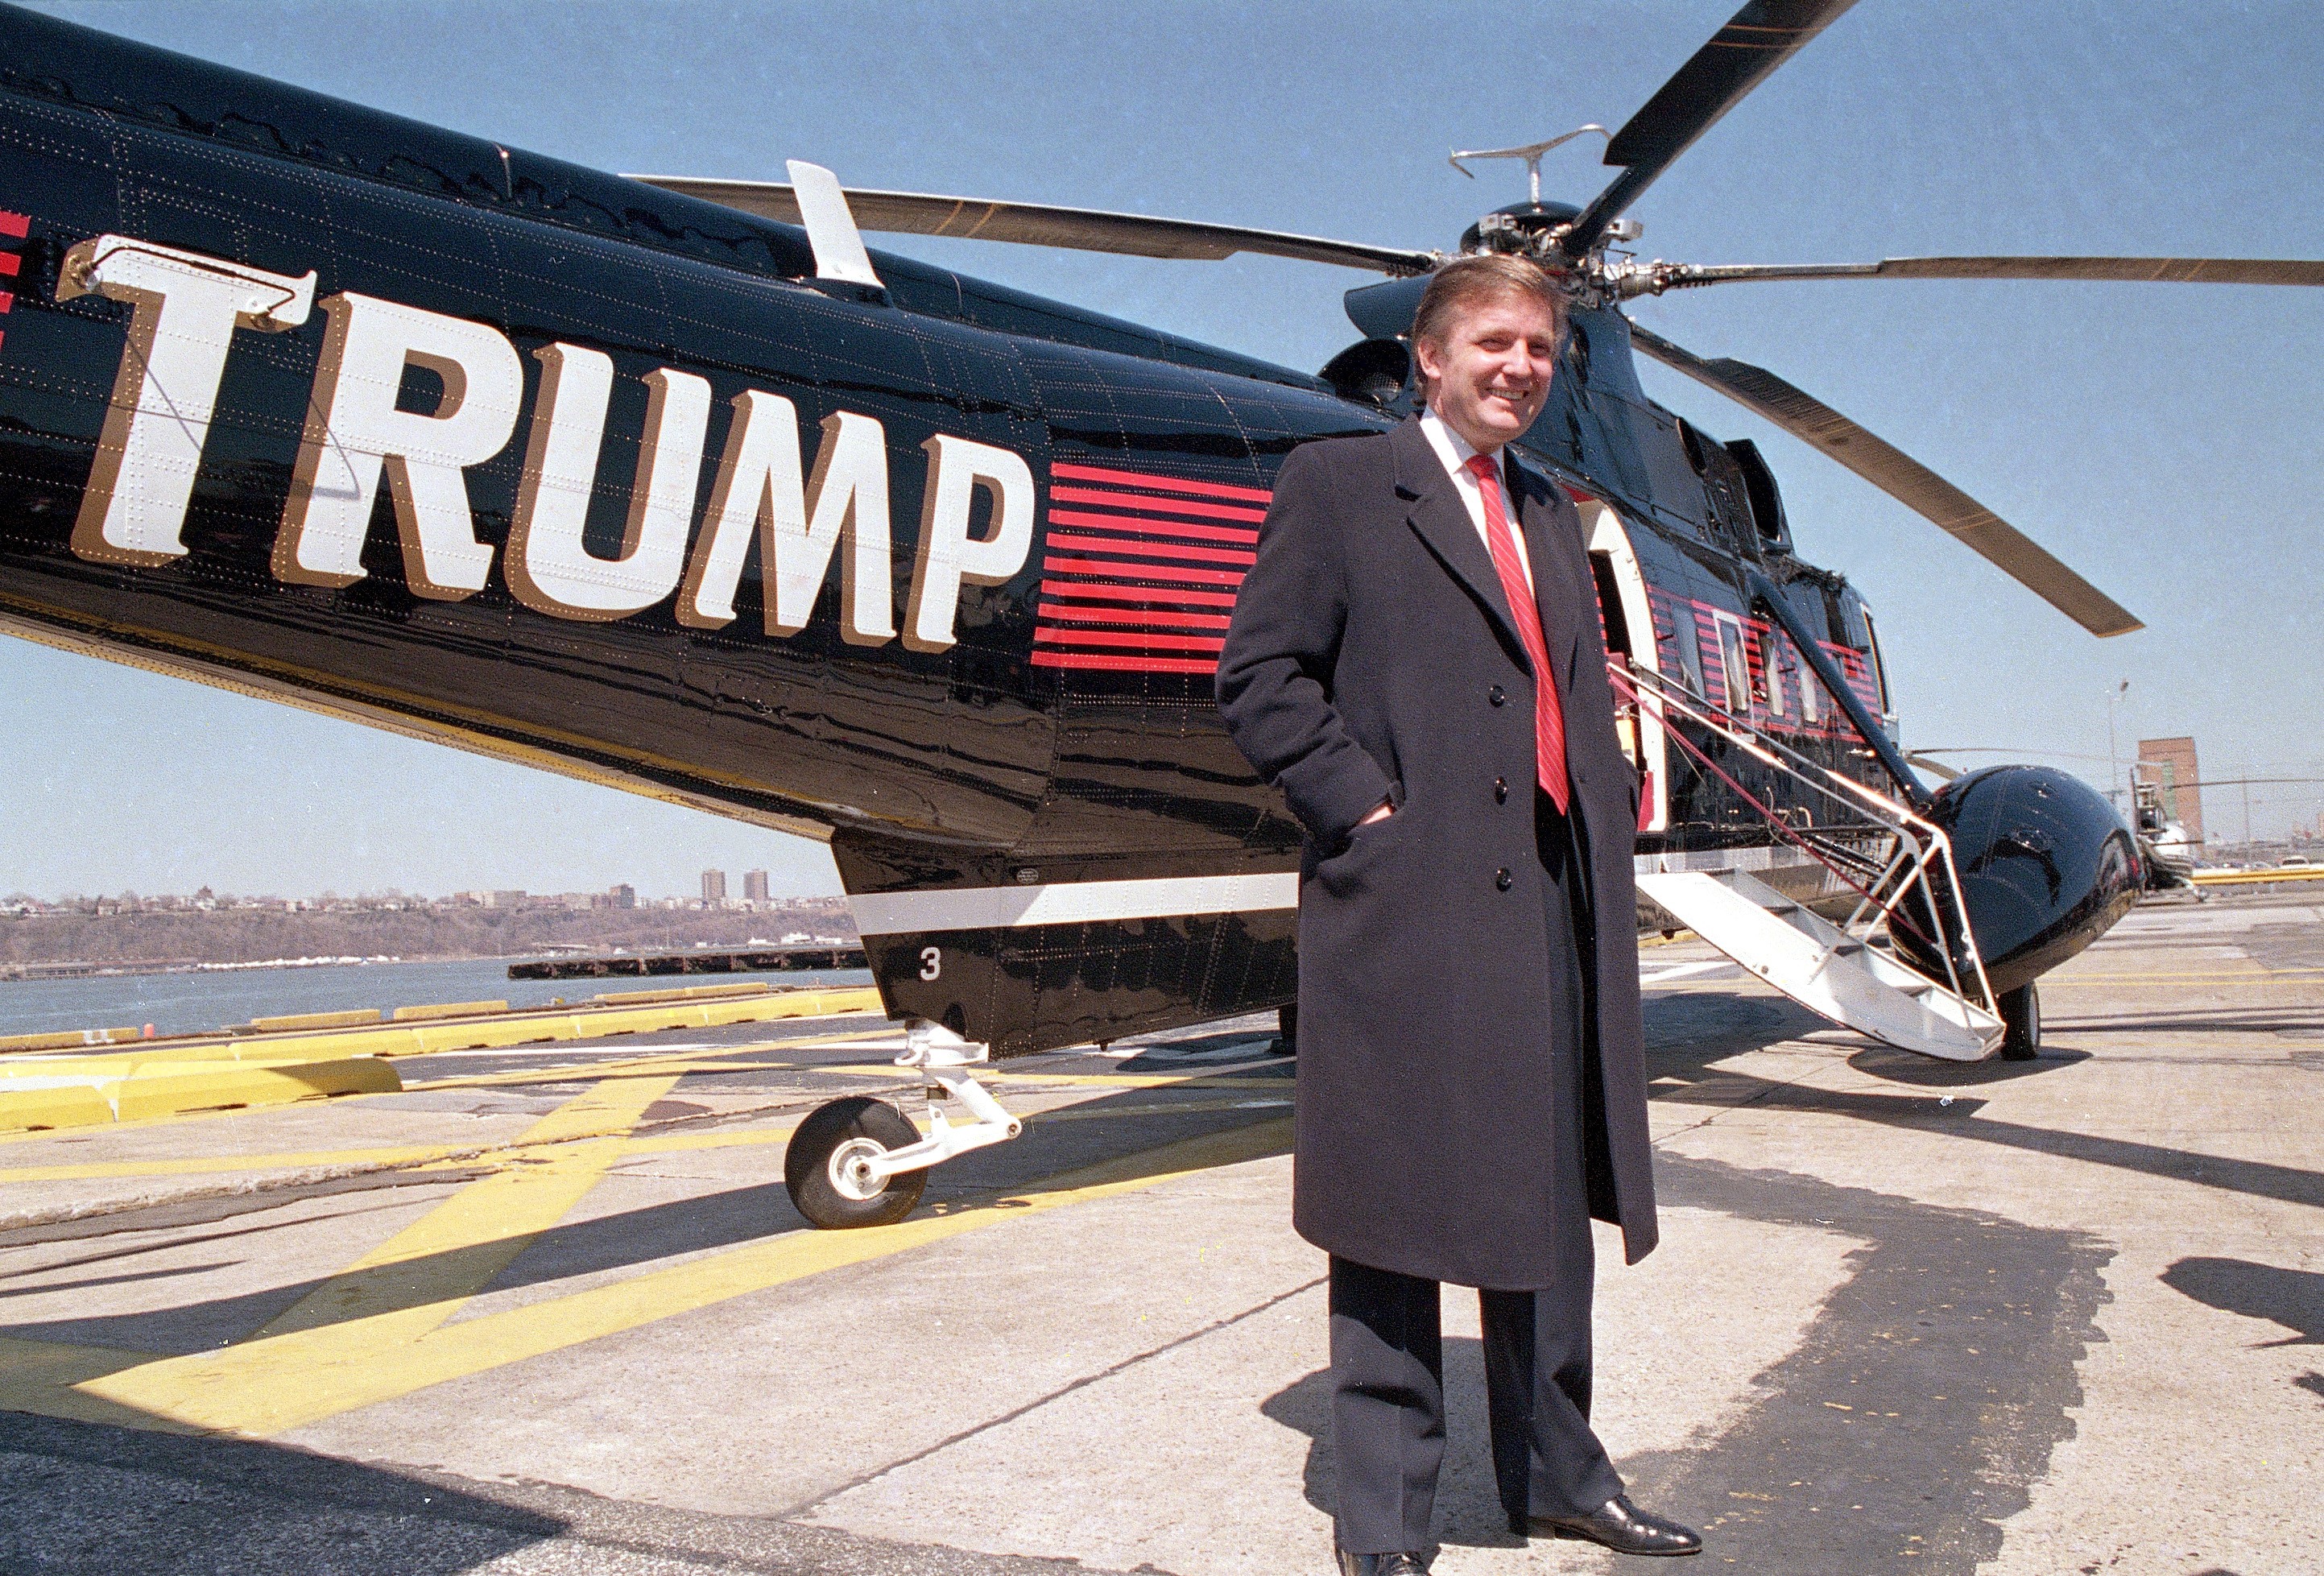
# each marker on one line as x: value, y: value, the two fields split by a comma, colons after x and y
x: 2114, y: 760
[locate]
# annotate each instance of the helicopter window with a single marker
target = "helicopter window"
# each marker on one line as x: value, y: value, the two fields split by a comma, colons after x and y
x: 1879, y: 670
x: 1810, y: 701
x: 1677, y: 641
x: 1734, y: 664
x: 1774, y: 653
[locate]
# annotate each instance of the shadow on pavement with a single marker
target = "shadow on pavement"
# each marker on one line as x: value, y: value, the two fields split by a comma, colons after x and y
x: 2293, y: 1298
x: 1139, y: 1137
x: 1924, y: 1401
x: 1896, y: 1066
x: 1688, y: 1035
x: 83, y: 1497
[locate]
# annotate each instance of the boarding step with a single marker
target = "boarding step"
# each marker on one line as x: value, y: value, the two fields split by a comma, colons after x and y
x: 1820, y: 966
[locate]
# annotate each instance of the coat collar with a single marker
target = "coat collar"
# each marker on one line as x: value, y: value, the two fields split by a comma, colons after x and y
x: 1442, y: 520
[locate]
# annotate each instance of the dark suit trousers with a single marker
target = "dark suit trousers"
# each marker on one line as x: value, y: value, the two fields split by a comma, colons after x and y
x: 1388, y: 1367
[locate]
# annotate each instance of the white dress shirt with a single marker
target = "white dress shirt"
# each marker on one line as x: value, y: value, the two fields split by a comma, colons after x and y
x: 1455, y: 451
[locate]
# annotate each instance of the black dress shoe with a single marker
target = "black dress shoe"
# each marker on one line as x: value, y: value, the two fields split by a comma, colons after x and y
x: 1379, y: 1565
x: 1624, y: 1528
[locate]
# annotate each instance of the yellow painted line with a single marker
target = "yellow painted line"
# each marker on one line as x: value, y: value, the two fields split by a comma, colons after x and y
x: 284, y: 1381
x: 1080, y: 1113
x: 2256, y: 975
x: 82, y: 1095
x: 1219, y: 1078
x: 38, y: 1376
x: 544, y: 1073
x: 497, y: 1031
x: 417, y: 1278
x: 389, y: 1158
x: 2216, y: 878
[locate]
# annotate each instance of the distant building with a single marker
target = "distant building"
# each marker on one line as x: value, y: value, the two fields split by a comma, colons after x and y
x: 623, y: 896
x: 2174, y: 760
x: 510, y: 899
x: 754, y: 886
x: 714, y: 885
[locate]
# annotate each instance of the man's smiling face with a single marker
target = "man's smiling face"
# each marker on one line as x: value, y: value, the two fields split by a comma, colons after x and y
x: 1489, y: 374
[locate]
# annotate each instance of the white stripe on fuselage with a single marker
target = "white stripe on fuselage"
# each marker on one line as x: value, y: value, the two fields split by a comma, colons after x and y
x: 1073, y: 902
x: 1166, y: 898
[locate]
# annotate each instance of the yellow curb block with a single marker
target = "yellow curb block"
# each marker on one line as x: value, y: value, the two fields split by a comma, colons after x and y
x: 681, y: 993
x: 289, y: 1021
x: 88, y: 1095
x: 71, y: 1039
x: 527, y: 1026
x: 447, y: 1009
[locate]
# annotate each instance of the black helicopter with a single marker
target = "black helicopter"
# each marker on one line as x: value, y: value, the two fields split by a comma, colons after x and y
x: 672, y: 484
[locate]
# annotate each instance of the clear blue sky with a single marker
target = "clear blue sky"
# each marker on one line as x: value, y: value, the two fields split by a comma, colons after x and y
x: 2163, y: 440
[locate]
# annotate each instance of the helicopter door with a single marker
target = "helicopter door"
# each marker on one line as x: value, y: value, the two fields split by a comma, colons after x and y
x: 1629, y: 639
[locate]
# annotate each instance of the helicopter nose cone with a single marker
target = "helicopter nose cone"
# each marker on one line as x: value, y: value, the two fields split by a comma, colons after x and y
x: 2046, y: 867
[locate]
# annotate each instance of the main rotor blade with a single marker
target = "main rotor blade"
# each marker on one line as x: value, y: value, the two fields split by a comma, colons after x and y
x: 1659, y: 277
x: 1903, y: 478
x: 1755, y: 40
x: 1037, y: 225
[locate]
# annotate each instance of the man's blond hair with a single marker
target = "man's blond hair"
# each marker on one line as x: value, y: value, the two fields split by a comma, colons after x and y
x: 1468, y: 281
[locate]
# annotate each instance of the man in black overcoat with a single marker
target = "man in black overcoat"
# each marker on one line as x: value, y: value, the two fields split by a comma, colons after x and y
x: 1415, y: 660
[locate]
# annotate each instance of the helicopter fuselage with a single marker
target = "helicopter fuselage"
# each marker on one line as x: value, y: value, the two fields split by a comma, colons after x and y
x: 304, y: 400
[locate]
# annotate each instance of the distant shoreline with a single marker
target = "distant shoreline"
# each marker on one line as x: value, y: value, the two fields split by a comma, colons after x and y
x: 77, y: 946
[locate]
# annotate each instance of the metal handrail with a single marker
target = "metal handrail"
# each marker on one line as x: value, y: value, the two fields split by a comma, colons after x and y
x: 1921, y: 845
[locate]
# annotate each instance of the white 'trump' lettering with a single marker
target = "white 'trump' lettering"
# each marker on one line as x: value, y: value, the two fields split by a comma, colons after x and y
x: 187, y: 308
x: 957, y: 467
x: 549, y: 569
x: 800, y: 524
x: 353, y: 431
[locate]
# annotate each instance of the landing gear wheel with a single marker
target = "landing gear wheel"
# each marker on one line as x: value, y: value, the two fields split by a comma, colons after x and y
x: 2020, y: 1024
x: 823, y: 1165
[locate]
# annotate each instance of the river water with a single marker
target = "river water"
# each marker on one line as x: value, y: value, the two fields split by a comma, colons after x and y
x: 188, y: 1002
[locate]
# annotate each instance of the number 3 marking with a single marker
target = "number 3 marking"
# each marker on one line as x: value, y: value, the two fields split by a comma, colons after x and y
x: 931, y: 963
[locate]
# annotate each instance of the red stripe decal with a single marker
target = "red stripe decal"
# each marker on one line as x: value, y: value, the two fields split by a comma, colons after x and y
x: 1166, y: 596
x: 1134, y: 639
x: 10, y: 262
x: 1159, y: 484
x: 1173, y: 528
x: 1116, y: 569
x: 1134, y: 617
x: 1059, y: 539
x: 7, y: 300
x: 1155, y: 505
x: 14, y: 223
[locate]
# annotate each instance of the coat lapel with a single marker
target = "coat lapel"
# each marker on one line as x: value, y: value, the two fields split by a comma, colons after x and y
x: 1442, y: 521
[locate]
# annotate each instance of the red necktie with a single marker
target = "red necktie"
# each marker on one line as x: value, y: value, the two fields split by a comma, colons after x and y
x: 1548, y: 716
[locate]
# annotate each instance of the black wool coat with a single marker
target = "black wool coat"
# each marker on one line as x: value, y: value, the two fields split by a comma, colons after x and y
x: 1371, y: 657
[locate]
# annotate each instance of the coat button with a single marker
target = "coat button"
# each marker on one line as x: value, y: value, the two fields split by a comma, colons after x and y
x: 1500, y: 791
x: 1498, y: 695
x: 1502, y: 880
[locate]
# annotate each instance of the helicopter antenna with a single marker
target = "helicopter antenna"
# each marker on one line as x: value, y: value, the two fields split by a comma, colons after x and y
x: 1531, y: 153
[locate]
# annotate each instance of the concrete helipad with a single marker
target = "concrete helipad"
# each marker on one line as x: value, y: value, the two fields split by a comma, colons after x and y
x: 548, y: 1308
